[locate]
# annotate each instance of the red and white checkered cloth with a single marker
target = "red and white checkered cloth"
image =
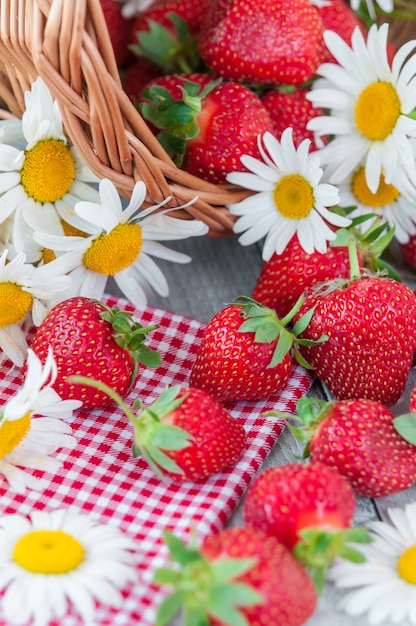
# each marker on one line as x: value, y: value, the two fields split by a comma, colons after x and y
x: 101, y: 478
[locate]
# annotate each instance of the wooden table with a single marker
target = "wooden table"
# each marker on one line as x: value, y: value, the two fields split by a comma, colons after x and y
x: 222, y: 269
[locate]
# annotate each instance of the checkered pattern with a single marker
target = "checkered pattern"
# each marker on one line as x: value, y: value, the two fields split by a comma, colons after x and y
x: 101, y: 478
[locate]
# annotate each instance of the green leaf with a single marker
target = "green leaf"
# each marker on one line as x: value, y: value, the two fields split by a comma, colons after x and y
x: 149, y: 357
x: 405, y: 425
x: 303, y: 321
x: 179, y: 551
x: 226, y: 569
x: 135, y: 450
x: 167, y: 576
x: 227, y: 615
x: 283, y: 346
x: 170, y: 437
x: 169, y: 608
x: 236, y: 594
x: 167, y: 401
x: 162, y: 460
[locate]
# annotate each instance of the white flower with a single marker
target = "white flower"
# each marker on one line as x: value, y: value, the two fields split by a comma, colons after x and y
x: 132, y: 8
x: 27, y: 441
x: 396, y: 208
x: 385, y: 5
x: 386, y: 582
x: 59, y: 560
x: 24, y: 290
x: 120, y: 244
x: 47, y: 175
x: 289, y: 199
x: 369, y: 104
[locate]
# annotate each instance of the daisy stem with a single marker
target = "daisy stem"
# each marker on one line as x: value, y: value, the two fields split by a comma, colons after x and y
x: 353, y: 256
x: 83, y: 380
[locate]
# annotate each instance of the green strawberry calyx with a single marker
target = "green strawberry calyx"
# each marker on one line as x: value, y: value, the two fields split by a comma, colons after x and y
x: 175, y: 118
x: 173, y: 49
x: 317, y: 549
x: 131, y: 335
x: 311, y: 412
x: 371, y: 242
x: 204, y: 589
x: 152, y: 437
x: 267, y: 327
x: 405, y: 425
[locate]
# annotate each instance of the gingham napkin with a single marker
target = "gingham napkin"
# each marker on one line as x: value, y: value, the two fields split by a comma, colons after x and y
x: 101, y: 478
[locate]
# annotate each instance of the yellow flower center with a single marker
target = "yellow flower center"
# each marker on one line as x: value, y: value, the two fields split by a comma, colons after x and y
x: 72, y: 231
x: 48, y: 552
x: 12, y: 433
x: 48, y: 171
x: 15, y: 303
x: 112, y: 252
x: 293, y: 196
x: 406, y: 565
x: 377, y: 110
x: 385, y: 194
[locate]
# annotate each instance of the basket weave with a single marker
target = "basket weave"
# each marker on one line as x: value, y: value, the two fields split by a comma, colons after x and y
x: 66, y: 43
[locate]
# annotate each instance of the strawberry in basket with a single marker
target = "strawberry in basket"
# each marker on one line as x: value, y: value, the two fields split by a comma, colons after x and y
x: 205, y: 125
x: 268, y: 42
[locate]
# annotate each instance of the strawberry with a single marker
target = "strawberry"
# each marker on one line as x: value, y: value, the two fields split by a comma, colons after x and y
x: 339, y: 17
x: 413, y: 400
x: 285, y: 277
x: 370, y: 324
x: 185, y: 435
x: 244, y: 353
x: 136, y: 76
x: 205, y: 126
x: 361, y: 440
x: 290, y: 108
x: 238, y: 576
x: 265, y: 42
x: 309, y: 507
x: 90, y: 339
x: 166, y: 34
x: 118, y: 28
x: 408, y: 251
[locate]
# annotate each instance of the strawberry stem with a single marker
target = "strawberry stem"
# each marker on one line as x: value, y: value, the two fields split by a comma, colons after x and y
x: 353, y: 255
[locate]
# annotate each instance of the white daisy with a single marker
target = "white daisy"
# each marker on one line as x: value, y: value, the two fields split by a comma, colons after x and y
x: 47, y: 175
x: 388, y: 203
x: 132, y: 8
x: 370, y: 103
x: 120, y: 244
x: 386, y: 582
x: 385, y: 5
x: 58, y: 561
x: 24, y: 290
x: 27, y: 441
x: 289, y: 199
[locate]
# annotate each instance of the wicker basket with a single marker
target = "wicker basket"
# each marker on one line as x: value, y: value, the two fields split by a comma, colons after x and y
x: 66, y: 42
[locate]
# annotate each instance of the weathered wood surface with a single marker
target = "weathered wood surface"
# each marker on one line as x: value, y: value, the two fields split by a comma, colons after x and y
x: 221, y: 270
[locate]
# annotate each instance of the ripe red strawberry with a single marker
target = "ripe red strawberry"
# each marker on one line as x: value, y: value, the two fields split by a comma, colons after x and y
x: 359, y: 438
x: 338, y: 16
x: 119, y: 29
x: 413, y: 400
x: 370, y: 323
x: 291, y: 109
x: 242, y: 572
x: 136, y: 76
x: 206, y: 126
x: 267, y: 41
x: 90, y: 339
x: 285, y: 277
x: 309, y: 507
x: 408, y: 251
x: 185, y: 435
x: 245, y: 353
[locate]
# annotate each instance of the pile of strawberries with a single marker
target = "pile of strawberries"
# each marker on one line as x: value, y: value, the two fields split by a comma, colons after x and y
x: 207, y: 96
x: 172, y: 55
